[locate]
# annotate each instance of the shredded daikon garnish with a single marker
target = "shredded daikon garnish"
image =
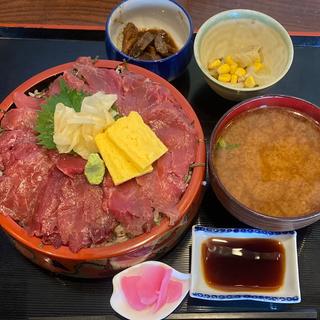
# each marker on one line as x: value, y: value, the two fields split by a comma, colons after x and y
x: 76, y: 130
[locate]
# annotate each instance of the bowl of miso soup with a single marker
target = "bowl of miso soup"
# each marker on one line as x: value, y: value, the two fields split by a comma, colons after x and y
x: 265, y: 162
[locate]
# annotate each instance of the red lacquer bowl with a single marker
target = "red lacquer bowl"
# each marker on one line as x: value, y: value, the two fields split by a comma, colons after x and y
x: 236, y: 208
x: 105, y: 261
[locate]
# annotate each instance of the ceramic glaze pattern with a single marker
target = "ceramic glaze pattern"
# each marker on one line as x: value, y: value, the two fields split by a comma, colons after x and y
x: 243, y: 230
x: 261, y: 298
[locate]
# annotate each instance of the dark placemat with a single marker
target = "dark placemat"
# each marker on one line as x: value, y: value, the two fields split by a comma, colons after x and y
x: 27, y: 291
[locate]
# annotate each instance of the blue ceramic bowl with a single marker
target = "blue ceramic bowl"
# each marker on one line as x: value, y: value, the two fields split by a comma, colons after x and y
x: 156, y: 14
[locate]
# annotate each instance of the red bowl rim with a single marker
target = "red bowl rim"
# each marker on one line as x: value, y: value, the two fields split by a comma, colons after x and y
x: 110, y: 251
x: 225, y: 119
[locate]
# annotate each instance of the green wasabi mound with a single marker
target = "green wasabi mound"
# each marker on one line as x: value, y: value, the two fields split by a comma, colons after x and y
x: 94, y: 169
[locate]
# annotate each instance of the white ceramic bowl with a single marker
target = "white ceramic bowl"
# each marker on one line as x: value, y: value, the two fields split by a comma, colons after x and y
x: 206, y: 42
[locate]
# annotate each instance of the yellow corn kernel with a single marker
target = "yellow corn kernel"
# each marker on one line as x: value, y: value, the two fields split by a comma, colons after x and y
x: 258, y: 59
x: 225, y: 77
x: 249, y: 82
x: 225, y: 68
x: 214, y: 64
x: 233, y: 67
x: 240, y: 72
x: 229, y: 60
x: 257, y: 66
x: 234, y: 79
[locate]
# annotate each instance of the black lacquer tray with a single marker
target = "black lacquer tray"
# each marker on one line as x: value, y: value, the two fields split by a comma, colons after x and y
x: 28, y: 292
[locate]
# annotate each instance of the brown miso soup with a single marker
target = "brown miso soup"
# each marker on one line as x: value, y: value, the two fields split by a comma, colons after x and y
x: 269, y: 160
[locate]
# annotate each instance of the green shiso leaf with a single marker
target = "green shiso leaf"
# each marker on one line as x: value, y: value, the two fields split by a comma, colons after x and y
x: 45, y: 121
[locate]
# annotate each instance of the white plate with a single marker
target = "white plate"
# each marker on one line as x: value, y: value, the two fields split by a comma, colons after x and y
x: 289, y: 292
x: 120, y: 305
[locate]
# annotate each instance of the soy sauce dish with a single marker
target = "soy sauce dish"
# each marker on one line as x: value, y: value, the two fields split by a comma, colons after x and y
x: 244, y: 264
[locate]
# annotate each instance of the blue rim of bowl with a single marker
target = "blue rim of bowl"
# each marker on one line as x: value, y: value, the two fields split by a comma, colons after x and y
x: 149, y: 62
x: 212, y: 170
x: 277, y: 23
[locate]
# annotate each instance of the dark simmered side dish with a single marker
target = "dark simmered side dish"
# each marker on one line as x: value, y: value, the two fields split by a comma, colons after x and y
x: 147, y: 44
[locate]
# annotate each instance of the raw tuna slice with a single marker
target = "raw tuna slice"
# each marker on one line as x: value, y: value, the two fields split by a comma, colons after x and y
x: 74, y: 82
x: 141, y: 93
x: 128, y: 205
x: 86, y: 77
x: 54, y: 87
x: 23, y: 101
x: 23, y: 179
x: 24, y: 116
x: 44, y: 222
x: 167, y: 114
x: 44, y: 218
x: 107, y: 81
x: 69, y: 213
x: 163, y: 188
x: 71, y: 165
x: 81, y: 219
x: 8, y: 139
x: 19, y: 118
x: 165, y: 185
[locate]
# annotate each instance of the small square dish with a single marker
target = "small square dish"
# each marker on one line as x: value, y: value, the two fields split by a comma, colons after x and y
x: 244, y: 264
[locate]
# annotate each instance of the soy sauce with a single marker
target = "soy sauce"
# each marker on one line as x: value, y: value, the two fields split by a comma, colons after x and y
x: 243, y: 264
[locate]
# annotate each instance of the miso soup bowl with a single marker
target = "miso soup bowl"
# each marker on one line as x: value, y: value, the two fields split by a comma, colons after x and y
x: 206, y: 41
x: 238, y: 209
x: 156, y: 14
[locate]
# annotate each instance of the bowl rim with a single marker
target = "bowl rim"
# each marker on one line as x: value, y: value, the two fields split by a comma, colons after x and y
x: 130, y: 59
x: 255, y: 14
x: 119, y: 249
x: 213, y: 138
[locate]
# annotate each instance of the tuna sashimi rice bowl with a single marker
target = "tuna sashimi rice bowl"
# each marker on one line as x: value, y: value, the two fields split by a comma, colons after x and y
x: 96, y: 155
